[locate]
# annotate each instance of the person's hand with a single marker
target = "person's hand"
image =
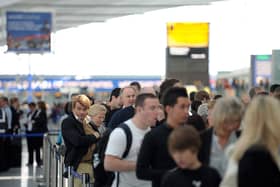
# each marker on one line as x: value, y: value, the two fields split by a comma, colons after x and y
x: 97, y: 135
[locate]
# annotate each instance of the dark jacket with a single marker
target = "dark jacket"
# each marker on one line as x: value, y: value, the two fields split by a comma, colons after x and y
x: 32, y: 119
x: 153, y: 158
x: 206, y: 142
x: 76, y: 141
x: 197, y: 122
x: 121, y: 116
x: 203, y: 176
x: 40, y: 122
x: 257, y: 168
x: 15, y: 117
x: 109, y: 114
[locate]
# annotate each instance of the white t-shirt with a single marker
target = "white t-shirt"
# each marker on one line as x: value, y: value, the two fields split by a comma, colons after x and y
x: 116, y: 147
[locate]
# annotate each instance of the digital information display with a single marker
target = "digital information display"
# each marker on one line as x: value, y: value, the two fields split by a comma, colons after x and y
x: 188, y: 39
x: 261, y: 68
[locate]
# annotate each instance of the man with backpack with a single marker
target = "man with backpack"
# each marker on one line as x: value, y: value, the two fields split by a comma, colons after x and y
x: 146, y: 111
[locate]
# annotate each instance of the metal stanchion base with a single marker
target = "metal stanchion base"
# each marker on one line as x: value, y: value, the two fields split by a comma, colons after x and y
x: 41, y: 181
x: 41, y: 185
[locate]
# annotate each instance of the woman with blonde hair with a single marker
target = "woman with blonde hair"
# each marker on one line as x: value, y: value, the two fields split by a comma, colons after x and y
x: 96, y: 115
x: 261, y: 129
x: 225, y: 118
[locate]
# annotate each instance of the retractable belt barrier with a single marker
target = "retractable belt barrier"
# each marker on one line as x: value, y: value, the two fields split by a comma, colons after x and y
x: 20, y: 135
x: 54, y: 166
x: 84, y: 177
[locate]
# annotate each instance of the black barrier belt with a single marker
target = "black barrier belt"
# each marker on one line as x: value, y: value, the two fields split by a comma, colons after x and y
x: 28, y: 134
x: 23, y: 135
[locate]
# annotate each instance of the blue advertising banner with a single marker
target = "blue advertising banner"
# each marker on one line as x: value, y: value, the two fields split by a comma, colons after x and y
x: 29, y: 32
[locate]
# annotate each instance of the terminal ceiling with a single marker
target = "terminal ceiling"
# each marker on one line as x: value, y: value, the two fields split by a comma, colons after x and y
x: 72, y: 13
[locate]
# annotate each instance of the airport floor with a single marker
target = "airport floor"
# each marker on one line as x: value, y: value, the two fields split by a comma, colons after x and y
x: 24, y: 176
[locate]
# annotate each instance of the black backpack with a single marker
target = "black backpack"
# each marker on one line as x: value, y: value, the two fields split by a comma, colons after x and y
x: 104, y: 178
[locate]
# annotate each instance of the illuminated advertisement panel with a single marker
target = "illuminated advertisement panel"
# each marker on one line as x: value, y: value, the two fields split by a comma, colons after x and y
x: 28, y: 31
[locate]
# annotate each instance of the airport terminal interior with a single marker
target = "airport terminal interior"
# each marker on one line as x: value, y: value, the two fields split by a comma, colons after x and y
x: 51, y: 51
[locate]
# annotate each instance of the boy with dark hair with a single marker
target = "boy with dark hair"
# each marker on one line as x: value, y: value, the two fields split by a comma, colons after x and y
x: 183, y: 145
x: 153, y: 159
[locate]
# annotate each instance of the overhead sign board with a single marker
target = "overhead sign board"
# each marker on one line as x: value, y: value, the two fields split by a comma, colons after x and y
x: 261, y: 69
x: 12, y: 83
x: 28, y: 32
x: 189, y: 39
x: 187, y: 34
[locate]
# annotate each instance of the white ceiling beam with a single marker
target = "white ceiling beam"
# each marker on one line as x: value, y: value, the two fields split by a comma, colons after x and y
x: 79, y: 5
x: 81, y: 19
x: 4, y: 3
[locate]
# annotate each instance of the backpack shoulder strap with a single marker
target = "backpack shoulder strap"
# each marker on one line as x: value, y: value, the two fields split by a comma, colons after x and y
x: 128, y: 134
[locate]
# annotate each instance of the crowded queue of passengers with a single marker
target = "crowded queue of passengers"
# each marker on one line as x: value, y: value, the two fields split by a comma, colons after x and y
x: 172, y: 138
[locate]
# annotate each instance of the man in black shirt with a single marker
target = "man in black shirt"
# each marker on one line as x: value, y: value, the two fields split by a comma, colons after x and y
x: 183, y: 145
x: 153, y: 159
